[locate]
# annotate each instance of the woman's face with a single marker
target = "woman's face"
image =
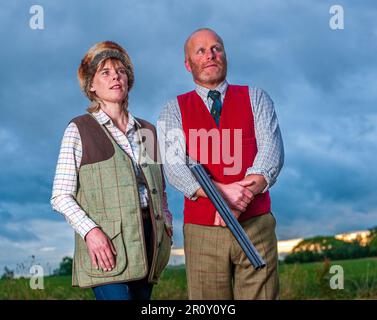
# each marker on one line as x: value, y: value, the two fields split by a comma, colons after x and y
x: 110, y: 83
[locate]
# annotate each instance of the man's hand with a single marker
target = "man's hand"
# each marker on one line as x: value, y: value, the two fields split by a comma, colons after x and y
x: 236, y: 194
x: 220, y: 222
x: 200, y: 193
x: 259, y: 184
x: 101, y: 249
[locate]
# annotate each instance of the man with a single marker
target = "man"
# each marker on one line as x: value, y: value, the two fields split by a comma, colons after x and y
x: 209, y: 125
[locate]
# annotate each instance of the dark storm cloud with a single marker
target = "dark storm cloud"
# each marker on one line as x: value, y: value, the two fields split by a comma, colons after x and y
x: 321, y: 81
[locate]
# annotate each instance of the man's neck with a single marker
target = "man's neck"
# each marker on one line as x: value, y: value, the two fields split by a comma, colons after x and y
x: 209, y: 86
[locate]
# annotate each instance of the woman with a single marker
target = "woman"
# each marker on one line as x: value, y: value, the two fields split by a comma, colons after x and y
x: 110, y: 187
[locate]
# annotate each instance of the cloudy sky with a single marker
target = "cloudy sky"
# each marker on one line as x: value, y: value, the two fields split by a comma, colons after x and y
x: 322, y: 82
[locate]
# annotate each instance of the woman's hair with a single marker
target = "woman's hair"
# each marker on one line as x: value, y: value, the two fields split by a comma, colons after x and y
x: 95, y: 59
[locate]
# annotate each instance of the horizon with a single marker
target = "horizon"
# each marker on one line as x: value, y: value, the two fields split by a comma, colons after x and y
x: 177, y: 254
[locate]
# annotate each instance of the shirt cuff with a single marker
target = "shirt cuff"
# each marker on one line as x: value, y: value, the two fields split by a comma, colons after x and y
x: 192, y: 190
x: 167, y: 214
x: 265, y: 175
x: 85, y: 226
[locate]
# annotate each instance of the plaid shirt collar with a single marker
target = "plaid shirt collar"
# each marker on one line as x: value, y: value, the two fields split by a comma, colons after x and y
x: 203, y: 91
x: 103, y: 118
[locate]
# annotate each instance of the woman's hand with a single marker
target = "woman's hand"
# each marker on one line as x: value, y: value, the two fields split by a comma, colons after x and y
x: 101, y: 250
x: 169, y: 230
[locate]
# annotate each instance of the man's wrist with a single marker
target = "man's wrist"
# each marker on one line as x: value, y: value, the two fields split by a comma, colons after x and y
x: 218, y: 185
x: 260, y: 172
x: 260, y: 183
x: 200, y: 193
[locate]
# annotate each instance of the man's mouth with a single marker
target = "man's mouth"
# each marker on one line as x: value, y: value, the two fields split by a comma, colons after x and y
x: 211, y: 66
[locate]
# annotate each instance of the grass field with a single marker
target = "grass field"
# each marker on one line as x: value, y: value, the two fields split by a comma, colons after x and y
x: 297, y: 281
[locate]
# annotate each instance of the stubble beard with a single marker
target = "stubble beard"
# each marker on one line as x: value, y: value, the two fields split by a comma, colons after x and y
x: 200, y: 76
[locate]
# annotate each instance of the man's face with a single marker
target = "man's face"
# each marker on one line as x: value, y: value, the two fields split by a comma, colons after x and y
x: 206, y: 59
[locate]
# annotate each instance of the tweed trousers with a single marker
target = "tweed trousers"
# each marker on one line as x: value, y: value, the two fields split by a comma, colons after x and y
x: 218, y: 269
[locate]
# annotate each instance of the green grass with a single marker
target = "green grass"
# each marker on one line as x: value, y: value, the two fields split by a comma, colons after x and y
x: 297, y: 281
x: 311, y: 280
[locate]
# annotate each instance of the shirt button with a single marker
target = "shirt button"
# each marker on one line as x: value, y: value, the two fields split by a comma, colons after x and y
x: 154, y: 191
x: 144, y: 165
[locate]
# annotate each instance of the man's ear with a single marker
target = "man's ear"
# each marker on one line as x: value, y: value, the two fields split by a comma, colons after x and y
x: 187, y: 65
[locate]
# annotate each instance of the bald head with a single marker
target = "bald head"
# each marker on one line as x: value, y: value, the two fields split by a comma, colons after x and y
x: 205, y: 58
x: 196, y: 32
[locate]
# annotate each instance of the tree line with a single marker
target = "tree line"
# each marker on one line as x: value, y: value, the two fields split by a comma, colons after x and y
x: 320, y: 248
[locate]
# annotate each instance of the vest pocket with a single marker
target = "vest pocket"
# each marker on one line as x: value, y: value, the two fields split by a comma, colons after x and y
x: 113, y: 230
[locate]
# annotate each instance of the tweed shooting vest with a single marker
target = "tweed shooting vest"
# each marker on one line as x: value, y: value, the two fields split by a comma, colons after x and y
x: 108, y: 192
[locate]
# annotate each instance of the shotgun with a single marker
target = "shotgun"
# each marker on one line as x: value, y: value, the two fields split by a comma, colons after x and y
x: 228, y: 217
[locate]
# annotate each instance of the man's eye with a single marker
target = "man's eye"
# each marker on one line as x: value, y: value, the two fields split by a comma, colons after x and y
x: 201, y: 51
x: 217, y: 49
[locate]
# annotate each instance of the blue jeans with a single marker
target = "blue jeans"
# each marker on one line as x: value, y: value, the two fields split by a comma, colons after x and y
x: 131, y: 290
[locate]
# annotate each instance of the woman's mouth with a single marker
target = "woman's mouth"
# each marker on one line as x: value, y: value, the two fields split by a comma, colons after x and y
x: 116, y: 87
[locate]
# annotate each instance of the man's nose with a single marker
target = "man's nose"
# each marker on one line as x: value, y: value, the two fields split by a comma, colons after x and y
x: 210, y: 55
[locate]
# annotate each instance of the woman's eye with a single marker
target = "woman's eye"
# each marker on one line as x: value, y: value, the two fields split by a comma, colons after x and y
x: 122, y: 71
x: 105, y: 73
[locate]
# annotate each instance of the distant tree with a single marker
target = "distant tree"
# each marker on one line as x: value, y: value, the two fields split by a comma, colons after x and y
x: 318, y: 244
x: 8, y: 274
x: 65, y: 267
x: 372, y: 232
x: 372, y: 241
x: 320, y: 248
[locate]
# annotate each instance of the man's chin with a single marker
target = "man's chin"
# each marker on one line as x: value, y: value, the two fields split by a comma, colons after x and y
x: 213, y: 80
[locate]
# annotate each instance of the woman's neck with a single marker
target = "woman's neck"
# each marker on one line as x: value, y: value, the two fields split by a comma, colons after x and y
x: 117, y: 113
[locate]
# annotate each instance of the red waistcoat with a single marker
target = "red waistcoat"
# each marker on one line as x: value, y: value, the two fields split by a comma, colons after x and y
x: 216, y: 153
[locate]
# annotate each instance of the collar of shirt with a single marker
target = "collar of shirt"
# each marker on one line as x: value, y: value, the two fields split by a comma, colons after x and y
x: 203, y: 92
x: 103, y: 118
